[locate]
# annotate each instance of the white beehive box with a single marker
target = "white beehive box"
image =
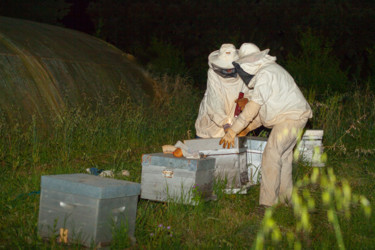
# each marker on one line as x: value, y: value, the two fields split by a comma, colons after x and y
x: 87, y: 207
x: 311, y: 147
x: 168, y: 178
x: 230, y: 163
x: 255, y: 147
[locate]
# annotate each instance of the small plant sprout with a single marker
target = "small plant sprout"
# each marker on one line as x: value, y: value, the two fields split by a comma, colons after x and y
x: 196, y: 195
x: 161, y: 235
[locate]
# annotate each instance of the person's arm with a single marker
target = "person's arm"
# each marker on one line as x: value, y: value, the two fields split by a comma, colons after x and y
x: 262, y: 92
x: 256, y: 123
x: 248, y: 114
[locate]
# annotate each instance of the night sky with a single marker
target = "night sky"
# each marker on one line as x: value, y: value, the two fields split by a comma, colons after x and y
x: 77, y: 17
x: 188, y: 31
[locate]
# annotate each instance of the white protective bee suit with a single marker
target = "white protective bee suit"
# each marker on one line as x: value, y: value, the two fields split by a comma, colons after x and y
x: 218, y: 104
x: 276, y: 103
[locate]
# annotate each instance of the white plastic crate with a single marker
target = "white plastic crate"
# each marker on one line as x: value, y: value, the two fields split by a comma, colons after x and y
x: 311, y: 147
x: 255, y: 147
x: 230, y: 164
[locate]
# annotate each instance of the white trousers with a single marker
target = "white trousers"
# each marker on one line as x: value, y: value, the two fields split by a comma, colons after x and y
x: 277, y: 184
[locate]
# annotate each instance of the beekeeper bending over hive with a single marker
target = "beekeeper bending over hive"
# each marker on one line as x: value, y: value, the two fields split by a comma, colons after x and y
x: 276, y: 103
x: 216, y: 111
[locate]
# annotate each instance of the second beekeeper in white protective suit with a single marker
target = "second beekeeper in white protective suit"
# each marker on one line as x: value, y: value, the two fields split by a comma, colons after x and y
x: 217, y: 108
x: 276, y: 103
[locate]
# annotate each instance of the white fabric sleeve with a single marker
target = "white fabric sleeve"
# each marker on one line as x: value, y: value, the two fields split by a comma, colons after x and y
x: 248, y: 114
x: 256, y: 123
x: 215, y: 101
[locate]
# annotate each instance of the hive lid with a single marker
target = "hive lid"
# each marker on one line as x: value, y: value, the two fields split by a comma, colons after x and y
x: 168, y: 160
x: 90, y: 185
x: 213, y: 144
x: 313, y: 134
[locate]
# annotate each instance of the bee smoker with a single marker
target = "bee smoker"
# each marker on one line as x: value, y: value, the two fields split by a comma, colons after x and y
x: 237, y: 111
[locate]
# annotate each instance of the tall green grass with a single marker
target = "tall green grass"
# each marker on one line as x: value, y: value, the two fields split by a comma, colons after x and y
x: 316, y: 67
x: 115, y: 135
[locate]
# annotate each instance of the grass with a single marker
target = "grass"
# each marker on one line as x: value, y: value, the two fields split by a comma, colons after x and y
x: 115, y: 135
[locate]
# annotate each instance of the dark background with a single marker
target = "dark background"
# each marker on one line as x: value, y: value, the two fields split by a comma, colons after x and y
x: 176, y: 37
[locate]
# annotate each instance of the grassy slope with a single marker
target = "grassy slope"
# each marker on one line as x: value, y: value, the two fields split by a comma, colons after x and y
x: 117, y: 139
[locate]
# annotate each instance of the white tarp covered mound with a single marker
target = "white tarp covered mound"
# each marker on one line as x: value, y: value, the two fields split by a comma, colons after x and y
x: 45, y: 67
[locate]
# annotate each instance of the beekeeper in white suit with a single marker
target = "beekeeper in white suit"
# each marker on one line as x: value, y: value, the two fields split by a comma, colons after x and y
x: 276, y: 103
x: 216, y: 111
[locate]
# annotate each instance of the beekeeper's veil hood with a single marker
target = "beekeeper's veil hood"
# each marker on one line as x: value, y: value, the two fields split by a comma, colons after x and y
x: 252, y: 58
x: 248, y: 49
x: 223, y: 57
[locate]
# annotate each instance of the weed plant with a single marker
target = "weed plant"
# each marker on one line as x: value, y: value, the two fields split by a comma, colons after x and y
x: 115, y: 135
